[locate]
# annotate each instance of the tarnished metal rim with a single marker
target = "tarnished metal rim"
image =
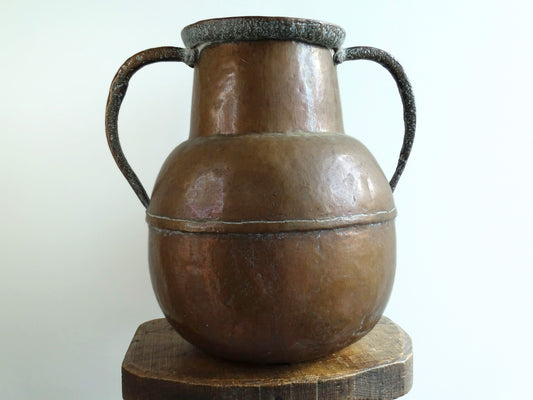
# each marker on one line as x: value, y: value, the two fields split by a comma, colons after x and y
x: 199, y: 226
x: 263, y: 28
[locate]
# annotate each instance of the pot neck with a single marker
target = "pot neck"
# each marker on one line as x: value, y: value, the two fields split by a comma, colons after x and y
x: 265, y: 86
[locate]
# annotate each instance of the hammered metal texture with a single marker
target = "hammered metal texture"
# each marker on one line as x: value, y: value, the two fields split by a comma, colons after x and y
x: 272, y: 233
x: 275, y: 297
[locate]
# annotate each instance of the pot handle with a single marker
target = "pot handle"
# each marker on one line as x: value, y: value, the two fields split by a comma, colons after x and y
x: 406, y: 93
x: 118, y: 89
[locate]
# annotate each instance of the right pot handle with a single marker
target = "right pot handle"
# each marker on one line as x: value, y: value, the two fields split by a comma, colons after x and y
x: 406, y: 93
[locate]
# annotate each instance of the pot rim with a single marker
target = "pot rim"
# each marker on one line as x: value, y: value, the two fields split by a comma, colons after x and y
x: 251, y: 28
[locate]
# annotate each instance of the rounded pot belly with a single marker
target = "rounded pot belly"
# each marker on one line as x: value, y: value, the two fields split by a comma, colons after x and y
x: 274, y: 297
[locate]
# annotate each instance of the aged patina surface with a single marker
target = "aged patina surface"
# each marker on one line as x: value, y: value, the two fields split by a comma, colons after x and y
x: 271, y: 230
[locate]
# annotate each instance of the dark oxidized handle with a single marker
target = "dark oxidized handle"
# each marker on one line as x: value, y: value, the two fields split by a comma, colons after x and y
x: 118, y: 89
x: 406, y: 93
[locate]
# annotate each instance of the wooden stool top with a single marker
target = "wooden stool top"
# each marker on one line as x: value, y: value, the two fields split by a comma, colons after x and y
x: 160, y: 365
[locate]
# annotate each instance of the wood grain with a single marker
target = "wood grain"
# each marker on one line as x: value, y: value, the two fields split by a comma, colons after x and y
x: 160, y: 365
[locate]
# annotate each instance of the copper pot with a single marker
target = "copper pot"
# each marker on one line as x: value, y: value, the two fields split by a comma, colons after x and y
x: 271, y: 231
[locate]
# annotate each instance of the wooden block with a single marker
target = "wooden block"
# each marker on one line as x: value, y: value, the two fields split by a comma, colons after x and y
x: 160, y: 365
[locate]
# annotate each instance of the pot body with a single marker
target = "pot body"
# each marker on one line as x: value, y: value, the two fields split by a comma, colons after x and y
x: 271, y: 231
x: 272, y: 247
x: 274, y: 297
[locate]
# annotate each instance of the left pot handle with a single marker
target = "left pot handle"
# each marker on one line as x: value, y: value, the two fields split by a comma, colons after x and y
x: 118, y: 89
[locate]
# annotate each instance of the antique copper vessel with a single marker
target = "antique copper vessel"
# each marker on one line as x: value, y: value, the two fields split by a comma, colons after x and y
x: 271, y: 231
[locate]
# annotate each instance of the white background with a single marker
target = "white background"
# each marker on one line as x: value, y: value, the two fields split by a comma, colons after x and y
x: 74, y: 281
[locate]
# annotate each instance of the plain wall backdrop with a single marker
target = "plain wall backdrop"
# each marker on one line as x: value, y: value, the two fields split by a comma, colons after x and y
x: 74, y: 281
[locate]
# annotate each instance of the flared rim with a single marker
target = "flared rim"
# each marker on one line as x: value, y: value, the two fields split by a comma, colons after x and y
x: 263, y: 28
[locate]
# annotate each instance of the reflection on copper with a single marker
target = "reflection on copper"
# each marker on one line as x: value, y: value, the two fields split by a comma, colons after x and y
x: 266, y: 86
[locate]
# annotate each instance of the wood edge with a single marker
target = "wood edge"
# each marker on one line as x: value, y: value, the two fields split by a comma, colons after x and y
x: 137, y: 385
x: 140, y: 388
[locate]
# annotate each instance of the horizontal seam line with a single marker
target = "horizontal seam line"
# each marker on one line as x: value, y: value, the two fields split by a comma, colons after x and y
x: 334, y: 219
